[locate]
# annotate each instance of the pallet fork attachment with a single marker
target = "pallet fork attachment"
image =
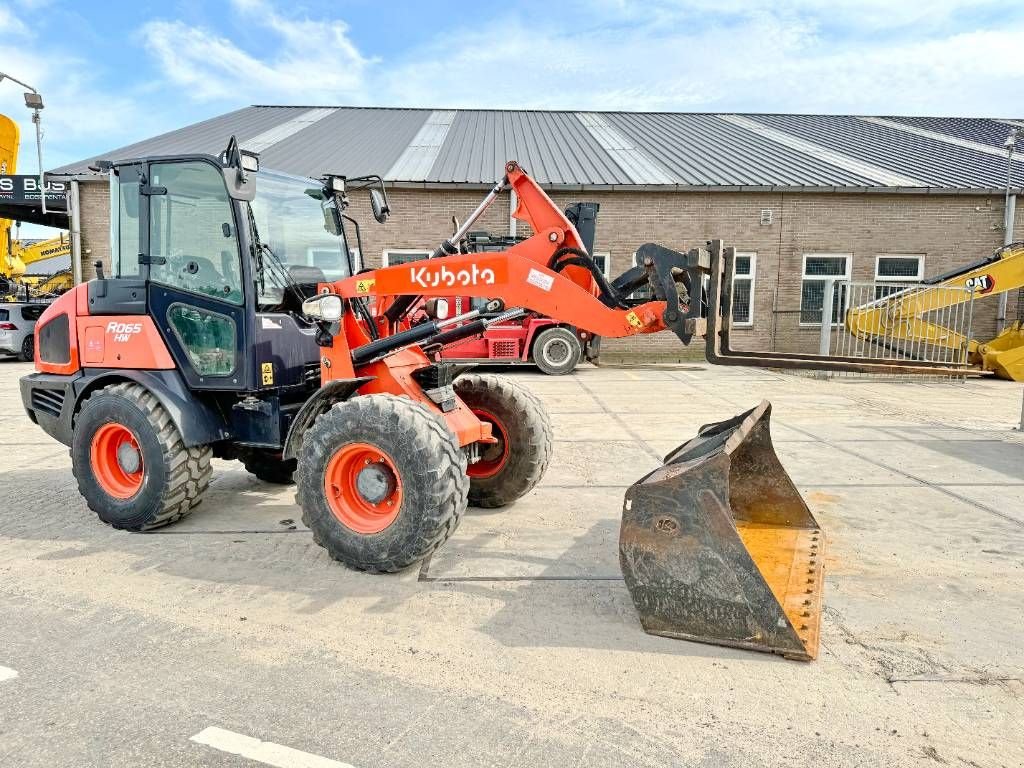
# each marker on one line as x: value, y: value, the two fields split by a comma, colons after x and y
x: 718, y: 546
x: 719, y: 351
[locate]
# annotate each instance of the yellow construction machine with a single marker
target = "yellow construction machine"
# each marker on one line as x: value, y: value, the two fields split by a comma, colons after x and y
x: 902, y: 316
x: 16, y: 255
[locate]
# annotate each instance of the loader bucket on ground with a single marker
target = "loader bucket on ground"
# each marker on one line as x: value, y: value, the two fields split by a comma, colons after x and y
x: 718, y: 546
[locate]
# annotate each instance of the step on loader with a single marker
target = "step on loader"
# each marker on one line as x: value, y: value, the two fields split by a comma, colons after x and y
x: 235, y: 324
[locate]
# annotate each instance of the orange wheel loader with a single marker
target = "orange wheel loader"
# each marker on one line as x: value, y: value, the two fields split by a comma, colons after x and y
x: 232, y: 324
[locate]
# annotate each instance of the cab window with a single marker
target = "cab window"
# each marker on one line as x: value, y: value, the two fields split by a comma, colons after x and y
x: 192, y: 232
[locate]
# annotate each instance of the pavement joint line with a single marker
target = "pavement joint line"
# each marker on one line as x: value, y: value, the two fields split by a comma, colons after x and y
x: 6, y: 673
x: 435, y: 579
x: 161, y: 532
x: 881, y: 465
x: 266, y: 752
x: 916, y: 478
x: 621, y: 422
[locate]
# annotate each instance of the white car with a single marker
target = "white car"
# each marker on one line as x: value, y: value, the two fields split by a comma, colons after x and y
x: 17, y: 328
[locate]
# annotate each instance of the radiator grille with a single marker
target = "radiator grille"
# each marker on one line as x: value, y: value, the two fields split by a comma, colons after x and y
x: 49, y: 401
x: 504, y: 348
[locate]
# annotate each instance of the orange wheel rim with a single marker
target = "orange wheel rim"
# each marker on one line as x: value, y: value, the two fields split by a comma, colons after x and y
x: 493, y: 456
x: 116, y: 460
x: 363, y: 488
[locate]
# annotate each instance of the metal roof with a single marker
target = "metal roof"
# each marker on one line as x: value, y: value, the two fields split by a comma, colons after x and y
x: 611, y: 150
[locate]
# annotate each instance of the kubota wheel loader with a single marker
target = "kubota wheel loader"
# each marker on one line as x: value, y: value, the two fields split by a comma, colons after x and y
x: 232, y: 325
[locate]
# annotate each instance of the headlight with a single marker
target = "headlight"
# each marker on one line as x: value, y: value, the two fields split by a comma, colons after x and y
x: 326, y: 307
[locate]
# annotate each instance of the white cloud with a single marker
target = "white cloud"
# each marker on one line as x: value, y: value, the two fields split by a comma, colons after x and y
x: 862, y: 56
x: 315, y: 60
x: 758, y: 61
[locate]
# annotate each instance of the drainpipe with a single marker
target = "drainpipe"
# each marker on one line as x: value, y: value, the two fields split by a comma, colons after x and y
x: 1008, y: 214
x: 1010, y: 210
x: 513, y: 201
x: 76, y: 235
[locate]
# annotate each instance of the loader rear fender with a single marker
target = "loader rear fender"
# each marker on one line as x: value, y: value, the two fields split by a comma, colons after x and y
x: 330, y: 393
x: 198, y: 421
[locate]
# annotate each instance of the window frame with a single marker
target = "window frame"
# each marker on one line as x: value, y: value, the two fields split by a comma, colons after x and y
x: 899, y: 279
x: 752, y: 279
x: 166, y: 224
x: 607, y: 256
x: 804, y: 277
x: 385, y: 255
x: 633, y: 296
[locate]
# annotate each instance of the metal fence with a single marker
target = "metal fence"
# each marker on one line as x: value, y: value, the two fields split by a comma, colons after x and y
x: 896, y: 321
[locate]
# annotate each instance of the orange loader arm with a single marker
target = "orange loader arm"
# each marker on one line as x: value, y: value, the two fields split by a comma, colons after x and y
x: 521, y: 276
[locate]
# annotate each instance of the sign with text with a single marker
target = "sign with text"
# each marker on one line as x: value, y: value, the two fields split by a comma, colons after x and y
x: 23, y: 189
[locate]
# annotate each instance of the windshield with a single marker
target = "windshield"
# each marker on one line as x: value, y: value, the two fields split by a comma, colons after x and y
x: 298, y: 224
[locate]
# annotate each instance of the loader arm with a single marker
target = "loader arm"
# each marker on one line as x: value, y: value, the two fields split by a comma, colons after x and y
x: 529, y: 275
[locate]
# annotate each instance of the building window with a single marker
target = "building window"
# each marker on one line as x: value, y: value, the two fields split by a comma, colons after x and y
x: 897, y: 268
x: 818, y: 269
x: 402, y: 256
x: 603, y: 262
x: 644, y: 293
x: 744, y: 274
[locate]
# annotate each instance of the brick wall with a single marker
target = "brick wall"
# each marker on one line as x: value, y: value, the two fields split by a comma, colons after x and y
x: 949, y: 230
x: 94, y: 222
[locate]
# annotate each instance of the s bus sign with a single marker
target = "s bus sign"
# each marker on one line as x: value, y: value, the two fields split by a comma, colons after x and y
x: 24, y: 190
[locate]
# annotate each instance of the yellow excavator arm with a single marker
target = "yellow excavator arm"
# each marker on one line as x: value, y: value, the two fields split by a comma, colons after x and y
x: 16, y: 257
x: 901, y: 315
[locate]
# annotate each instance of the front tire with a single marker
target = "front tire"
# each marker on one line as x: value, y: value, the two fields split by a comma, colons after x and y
x: 381, y: 481
x: 132, y: 467
x: 514, y: 465
x: 557, y: 351
x: 28, y: 349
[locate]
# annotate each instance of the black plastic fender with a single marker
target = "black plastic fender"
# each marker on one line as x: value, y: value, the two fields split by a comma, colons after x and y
x: 198, y: 422
x: 329, y: 394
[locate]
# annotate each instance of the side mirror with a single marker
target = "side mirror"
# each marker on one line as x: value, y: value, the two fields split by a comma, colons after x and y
x: 381, y: 210
x: 250, y: 161
x: 332, y: 223
x: 327, y: 308
x: 436, y: 309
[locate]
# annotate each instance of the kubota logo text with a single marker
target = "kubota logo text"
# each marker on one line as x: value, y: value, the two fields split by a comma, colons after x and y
x: 427, y: 277
x: 980, y: 284
x: 123, y: 331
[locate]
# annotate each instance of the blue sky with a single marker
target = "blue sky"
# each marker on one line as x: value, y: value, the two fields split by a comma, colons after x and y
x: 114, y: 72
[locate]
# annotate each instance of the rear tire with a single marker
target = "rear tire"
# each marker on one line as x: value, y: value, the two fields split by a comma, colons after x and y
x: 556, y: 351
x: 269, y: 466
x: 381, y: 481
x: 132, y: 467
x: 28, y: 349
x: 512, y: 468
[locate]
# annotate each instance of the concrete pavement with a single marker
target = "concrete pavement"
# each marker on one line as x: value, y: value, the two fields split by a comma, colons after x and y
x: 517, y: 643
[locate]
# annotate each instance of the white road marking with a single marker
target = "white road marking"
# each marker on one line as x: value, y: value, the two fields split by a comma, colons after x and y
x: 6, y: 673
x: 266, y: 752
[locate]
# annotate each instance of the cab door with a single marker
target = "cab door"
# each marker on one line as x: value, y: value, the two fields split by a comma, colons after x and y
x: 196, y: 283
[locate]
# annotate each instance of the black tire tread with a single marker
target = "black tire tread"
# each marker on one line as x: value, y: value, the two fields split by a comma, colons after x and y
x: 189, y: 468
x: 425, y: 432
x: 532, y: 458
x: 569, y: 336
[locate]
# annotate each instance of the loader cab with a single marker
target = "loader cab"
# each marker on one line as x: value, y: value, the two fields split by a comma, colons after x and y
x: 220, y: 255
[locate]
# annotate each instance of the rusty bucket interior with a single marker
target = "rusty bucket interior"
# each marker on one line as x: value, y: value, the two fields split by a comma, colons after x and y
x: 718, y: 546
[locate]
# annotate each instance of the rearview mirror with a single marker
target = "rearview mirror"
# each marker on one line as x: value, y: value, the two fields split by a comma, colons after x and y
x: 381, y: 210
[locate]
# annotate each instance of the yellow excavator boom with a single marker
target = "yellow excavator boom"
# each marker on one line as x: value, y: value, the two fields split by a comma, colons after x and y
x: 15, y: 257
x: 901, y: 315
